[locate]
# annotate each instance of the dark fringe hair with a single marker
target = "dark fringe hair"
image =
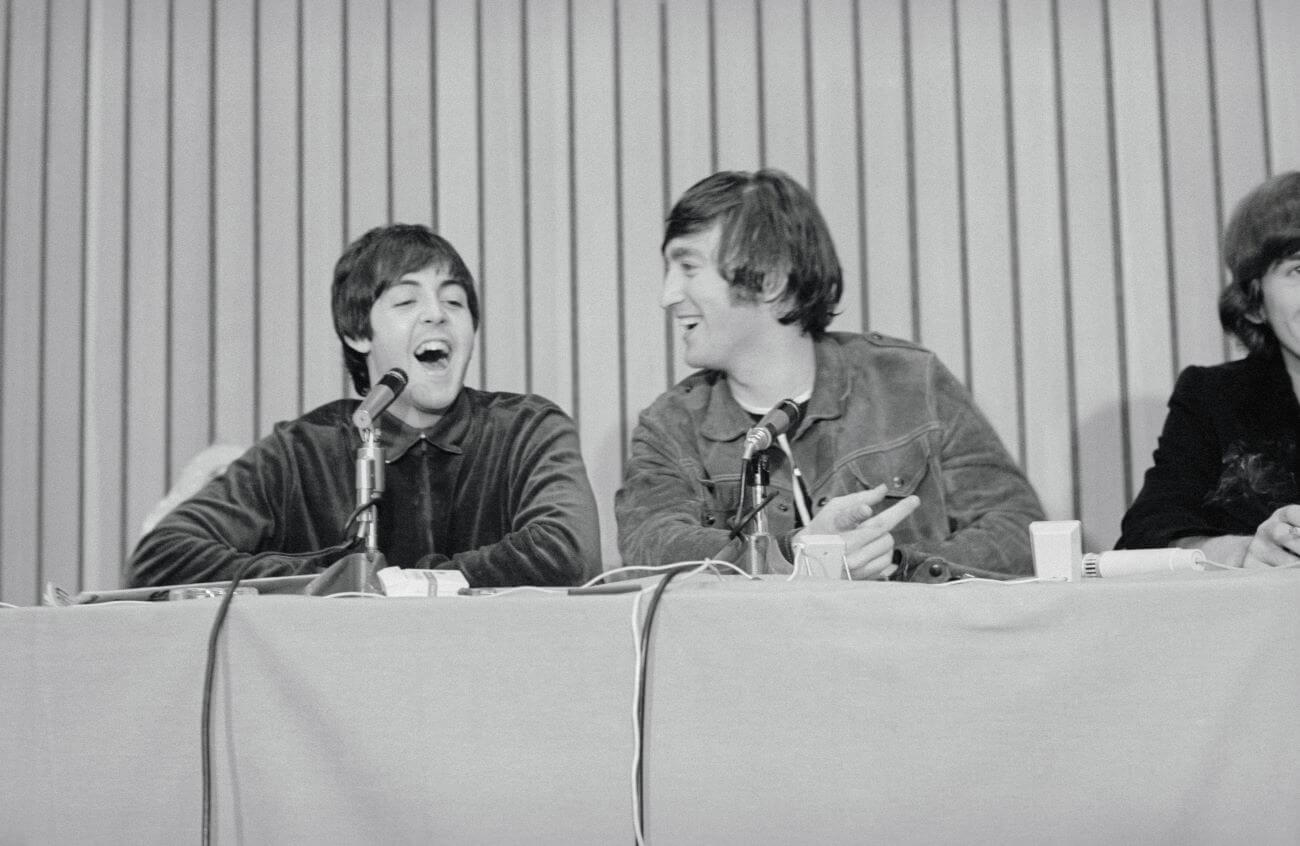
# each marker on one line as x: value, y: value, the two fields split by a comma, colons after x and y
x: 771, y: 231
x: 372, y: 263
x: 1264, y: 229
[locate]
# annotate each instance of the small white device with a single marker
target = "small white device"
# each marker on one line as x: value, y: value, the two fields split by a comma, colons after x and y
x: 1058, y: 549
x: 820, y: 557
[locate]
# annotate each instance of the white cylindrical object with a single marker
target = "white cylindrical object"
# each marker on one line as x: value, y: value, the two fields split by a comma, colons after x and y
x: 1132, y: 562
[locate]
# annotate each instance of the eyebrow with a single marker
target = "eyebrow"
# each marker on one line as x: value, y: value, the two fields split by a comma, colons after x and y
x: 459, y: 283
x: 683, y: 252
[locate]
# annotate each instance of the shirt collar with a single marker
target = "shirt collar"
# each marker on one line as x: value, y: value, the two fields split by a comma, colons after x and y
x: 725, y: 420
x: 448, y: 434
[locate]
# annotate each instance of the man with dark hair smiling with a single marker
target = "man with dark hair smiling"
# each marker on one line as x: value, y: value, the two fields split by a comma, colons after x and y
x: 896, y: 458
x: 492, y: 484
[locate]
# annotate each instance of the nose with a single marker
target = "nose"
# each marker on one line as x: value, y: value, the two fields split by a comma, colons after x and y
x: 672, y: 292
x: 432, y: 311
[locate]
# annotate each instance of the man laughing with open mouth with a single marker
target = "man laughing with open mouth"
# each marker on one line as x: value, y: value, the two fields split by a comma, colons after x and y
x: 490, y: 483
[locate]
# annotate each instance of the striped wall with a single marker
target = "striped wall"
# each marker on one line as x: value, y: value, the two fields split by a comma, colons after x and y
x: 1032, y: 188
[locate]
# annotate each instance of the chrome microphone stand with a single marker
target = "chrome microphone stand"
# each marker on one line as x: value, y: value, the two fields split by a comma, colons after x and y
x: 358, y: 572
x: 755, y: 534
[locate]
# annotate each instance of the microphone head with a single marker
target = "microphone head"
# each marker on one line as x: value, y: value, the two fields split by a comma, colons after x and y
x: 781, y: 419
x: 395, y: 380
x: 379, y: 398
x: 792, y: 411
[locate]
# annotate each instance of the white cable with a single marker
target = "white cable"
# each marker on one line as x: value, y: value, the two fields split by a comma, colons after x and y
x: 796, y: 476
x: 636, y: 724
x: 966, y: 580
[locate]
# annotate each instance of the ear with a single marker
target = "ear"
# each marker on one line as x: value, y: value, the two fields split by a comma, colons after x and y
x: 361, y: 345
x: 774, y: 285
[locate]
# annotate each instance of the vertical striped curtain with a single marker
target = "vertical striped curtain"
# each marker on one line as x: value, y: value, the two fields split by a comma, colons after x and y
x: 1032, y: 188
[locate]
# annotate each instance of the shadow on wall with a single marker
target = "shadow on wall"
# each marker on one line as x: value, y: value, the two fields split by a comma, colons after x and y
x: 1103, y: 499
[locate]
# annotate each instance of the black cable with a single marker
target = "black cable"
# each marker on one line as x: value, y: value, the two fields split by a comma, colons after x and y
x: 740, y: 497
x: 640, y: 701
x: 207, y: 695
x: 206, y: 740
x: 741, y: 523
x: 356, y: 512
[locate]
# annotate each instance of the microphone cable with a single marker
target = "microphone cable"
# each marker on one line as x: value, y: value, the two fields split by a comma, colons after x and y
x: 640, y: 702
x: 209, y: 672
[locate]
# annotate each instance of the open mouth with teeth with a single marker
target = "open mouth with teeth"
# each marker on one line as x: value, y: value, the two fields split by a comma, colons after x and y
x: 434, y: 355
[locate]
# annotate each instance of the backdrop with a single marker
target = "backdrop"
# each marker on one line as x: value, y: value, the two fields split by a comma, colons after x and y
x: 1032, y: 188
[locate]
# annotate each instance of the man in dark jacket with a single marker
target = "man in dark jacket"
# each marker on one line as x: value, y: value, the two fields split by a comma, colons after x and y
x: 492, y: 484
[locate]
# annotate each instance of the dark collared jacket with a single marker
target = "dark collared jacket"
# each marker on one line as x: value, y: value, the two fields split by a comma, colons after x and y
x: 1226, y: 459
x: 497, y: 488
x: 882, y: 411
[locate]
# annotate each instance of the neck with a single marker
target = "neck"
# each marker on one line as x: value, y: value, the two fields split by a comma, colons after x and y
x: 779, y: 370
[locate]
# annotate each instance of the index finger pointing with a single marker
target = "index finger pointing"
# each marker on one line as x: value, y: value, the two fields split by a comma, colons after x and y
x: 895, y: 514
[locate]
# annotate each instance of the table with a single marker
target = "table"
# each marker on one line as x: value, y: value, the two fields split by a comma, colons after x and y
x: 1155, y: 709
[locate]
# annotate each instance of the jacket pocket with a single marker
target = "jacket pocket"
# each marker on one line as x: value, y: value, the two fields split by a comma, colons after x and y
x: 902, y: 467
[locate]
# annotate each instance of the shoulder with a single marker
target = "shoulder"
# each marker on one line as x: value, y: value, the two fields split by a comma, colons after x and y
x: 1244, y: 377
x: 325, y: 427
x: 511, y: 410
x: 876, y: 347
x: 332, y: 417
x: 687, y: 400
x: 874, y: 356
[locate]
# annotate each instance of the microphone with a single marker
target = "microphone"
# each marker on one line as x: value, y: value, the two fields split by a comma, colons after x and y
x: 380, y: 397
x: 780, y: 420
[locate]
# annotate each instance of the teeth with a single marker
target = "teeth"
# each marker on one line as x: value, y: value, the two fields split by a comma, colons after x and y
x: 440, y: 346
x: 432, y: 351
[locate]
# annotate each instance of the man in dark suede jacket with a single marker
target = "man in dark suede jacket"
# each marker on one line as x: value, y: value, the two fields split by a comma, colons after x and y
x: 895, y: 456
x: 490, y: 483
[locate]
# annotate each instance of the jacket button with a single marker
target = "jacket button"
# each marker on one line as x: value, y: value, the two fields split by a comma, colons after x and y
x: 897, y: 481
x: 781, y: 506
x: 708, y: 519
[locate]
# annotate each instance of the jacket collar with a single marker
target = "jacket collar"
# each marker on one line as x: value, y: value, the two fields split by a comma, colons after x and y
x: 725, y: 420
x: 448, y: 434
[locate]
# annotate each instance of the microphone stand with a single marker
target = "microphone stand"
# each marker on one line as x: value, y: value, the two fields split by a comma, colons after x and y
x: 755, y: 533
x: 358, y: 572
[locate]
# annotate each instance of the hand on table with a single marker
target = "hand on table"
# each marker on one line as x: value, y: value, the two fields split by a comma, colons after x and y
x: 1277, y: 540
x: 868, y: 542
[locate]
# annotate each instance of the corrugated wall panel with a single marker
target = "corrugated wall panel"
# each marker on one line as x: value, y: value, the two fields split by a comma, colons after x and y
x: 551, y: 248
x: 1192, y: 214
x: 1099, y: 379
x: 990, y: 283
x: 835, y: 162
x: 24, y: 186
x: 235, y: 353
x: 102, y: 440
x: 324, y: 220
x: 410, y: 64
x: 504, y: 280
x: 190, y: 269
x: 1143, y: 269
x: 1034, y: 188
x: 889, y: 212
x: 1050, y: 442
x: 596, y: 286
x: 641, y: 173
x: 63, y: 277
x: 279, y: 307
